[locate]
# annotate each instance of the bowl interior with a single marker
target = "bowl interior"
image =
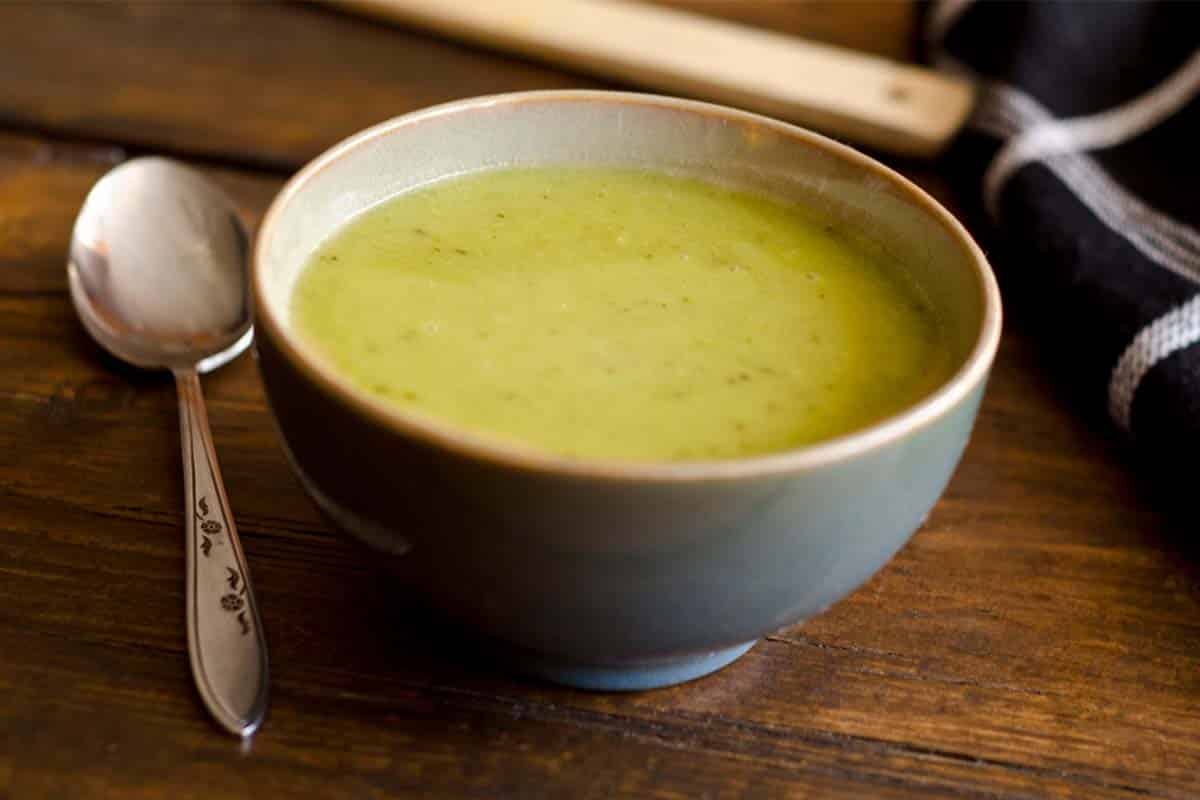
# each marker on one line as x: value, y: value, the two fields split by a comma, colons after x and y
x: 869, y: 201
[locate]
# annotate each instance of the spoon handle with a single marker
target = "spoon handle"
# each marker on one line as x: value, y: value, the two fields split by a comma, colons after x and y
x: 225, y: 636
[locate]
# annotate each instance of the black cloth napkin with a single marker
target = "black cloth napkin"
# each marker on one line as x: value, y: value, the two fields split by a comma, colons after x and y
x: 1087, y: 138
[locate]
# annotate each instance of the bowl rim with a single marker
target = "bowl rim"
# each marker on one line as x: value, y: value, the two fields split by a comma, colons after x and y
x: 529, y: 458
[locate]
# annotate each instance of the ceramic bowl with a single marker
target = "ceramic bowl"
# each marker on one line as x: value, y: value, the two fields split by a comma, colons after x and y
x: 601, y: 574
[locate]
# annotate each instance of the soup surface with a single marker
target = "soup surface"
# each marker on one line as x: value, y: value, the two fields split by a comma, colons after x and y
x: 621, y: 315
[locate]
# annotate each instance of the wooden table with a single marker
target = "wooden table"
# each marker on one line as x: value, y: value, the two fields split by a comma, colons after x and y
x: 1040, y: 636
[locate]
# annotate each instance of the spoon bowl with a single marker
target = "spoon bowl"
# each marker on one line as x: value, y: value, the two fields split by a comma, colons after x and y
x: 157, y: 268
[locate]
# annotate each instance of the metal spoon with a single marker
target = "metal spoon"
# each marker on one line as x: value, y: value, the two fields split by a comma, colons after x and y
x: 158, y: 276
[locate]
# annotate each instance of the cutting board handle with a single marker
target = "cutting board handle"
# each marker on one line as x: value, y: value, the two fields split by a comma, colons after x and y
x: 899, y: 108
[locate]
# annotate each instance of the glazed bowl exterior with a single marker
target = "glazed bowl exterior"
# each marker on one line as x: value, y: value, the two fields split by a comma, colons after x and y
x: 606, y: 574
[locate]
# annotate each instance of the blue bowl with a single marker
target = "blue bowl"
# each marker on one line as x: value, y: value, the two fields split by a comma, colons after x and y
x: 611, y: 575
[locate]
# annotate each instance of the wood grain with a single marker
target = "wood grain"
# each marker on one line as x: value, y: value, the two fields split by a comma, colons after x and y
x: 1039, y: 637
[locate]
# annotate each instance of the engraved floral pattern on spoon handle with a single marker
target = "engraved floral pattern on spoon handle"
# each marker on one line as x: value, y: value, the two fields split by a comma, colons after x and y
x: 235, y: 600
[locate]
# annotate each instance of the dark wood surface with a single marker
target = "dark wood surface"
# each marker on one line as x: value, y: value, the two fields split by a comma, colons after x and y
x: 1038, y: 637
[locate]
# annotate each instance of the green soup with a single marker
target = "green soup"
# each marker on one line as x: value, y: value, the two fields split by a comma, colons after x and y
x: 617, y: 314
